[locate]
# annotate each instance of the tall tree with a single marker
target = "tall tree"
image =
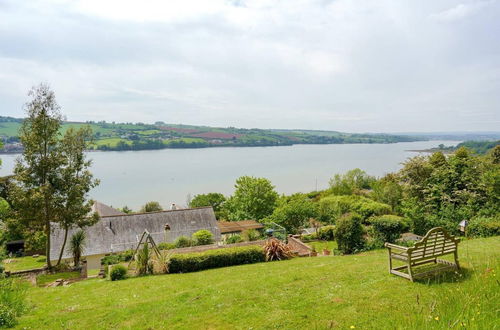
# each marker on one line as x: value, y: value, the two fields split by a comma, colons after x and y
x: 34, y: 194
x: 74, y: 183
x: 52, y: 178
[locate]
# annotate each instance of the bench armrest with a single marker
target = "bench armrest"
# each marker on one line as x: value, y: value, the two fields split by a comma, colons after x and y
x: 394, y: 246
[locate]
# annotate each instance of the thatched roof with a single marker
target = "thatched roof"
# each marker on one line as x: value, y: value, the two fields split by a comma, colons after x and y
x: 104, y: 210
x: 238, y: 226
x: 122, y: 232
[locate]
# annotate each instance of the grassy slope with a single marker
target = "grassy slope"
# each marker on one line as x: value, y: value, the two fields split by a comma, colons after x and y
x: 309, y: 293
x: 24, y: 263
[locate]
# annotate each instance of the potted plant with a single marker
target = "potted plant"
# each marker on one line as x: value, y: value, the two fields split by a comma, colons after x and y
x: 326, y: 252
x: 313, y: 252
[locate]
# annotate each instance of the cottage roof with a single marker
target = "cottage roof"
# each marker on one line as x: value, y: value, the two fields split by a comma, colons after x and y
x: 238, y: 226
x: 121, y: 232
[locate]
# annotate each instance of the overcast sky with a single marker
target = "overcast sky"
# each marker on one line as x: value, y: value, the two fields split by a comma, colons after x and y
x: 358, y: 66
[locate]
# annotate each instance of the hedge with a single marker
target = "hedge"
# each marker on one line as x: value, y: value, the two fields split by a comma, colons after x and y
x: 484, y: 227
x: 192, y: 262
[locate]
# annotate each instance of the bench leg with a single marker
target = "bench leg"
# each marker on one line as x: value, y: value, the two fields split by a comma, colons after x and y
x: 390, y: 261
x: 456, y: 260
x: 410, y: 272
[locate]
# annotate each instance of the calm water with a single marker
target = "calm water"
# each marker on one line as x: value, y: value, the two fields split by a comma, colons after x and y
x: 134, y: 177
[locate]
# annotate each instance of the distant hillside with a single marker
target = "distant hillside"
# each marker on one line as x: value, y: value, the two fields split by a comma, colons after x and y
x: 479, y: 147
x: 139, y: 136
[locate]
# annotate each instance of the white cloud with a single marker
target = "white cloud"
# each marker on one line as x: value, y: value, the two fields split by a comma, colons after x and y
x: 460, y: 11
x: 343, y: 65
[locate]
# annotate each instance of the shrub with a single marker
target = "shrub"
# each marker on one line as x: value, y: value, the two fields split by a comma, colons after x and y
x: 182, y: 242
x: 484, y: 227
x: 162, y: 262
x: 192, y: 262
x: 308, y: 237
x: 274, y: 249
x: 203, y: 237
x: 111, y: 260
x: 234, y: 239
x: 349, y: 233
x: 12, y: 301
x: 118, y: 272
x: 332, y: 207
x: 388, y: 228
x: 143, y: 261
x: 166, y: 246
x: 326, y: 233
x: 250, y: 235
x: 2, y: 269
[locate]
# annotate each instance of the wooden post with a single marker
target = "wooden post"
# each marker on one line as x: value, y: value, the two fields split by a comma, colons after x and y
x: 390, y: 261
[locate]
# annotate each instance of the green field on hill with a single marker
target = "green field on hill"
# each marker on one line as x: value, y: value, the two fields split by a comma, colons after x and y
x: 339, y: 292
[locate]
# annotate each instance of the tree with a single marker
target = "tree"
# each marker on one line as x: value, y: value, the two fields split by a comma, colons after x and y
x: 126, y: 209
x: 351, y: 182
x: 293, y: 212
x: 254, y: 198
x: 152, y: 206
x: 77, y: 245
x: 388, y: 190
x: 74, y: 183
x: 52, y: 178
x: 215, y: 200
x: 35, y: 194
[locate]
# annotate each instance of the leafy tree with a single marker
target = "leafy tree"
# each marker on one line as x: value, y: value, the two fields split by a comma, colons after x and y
x: 294, y: 212
x: 254, y: 198
x: 35, y: 193
x: 215, y: 200
x: 388, y: 190
x: 74, y: 183
x: 77, y: 245
x: 351, y: 182
x: 152, y: 206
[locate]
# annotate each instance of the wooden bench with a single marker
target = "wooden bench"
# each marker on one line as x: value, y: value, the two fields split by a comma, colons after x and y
x: 436, y: 243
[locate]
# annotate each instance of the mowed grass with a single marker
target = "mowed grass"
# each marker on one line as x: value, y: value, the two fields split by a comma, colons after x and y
x: 24, y: 263
x: 303, y: 293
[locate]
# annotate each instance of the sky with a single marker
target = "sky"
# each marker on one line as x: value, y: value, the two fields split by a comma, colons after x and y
x: 353, y: 66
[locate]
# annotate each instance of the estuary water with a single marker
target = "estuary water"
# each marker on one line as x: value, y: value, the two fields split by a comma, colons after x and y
x: 133, y: 178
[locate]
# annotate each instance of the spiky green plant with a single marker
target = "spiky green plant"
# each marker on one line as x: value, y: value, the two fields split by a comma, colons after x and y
x: 77, y: 246
x: 143, y: 261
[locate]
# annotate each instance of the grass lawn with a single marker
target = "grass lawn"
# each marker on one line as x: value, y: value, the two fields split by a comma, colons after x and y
x: 303, y: 293
x: 24, y: 263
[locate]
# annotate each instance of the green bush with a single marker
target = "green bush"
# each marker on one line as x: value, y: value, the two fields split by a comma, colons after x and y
x: 12, y: 301
x: 182, y: 242
x: 118, y: 272
x: 349, y: 233
x: 203, y: 237
x: 166, y: 246
x: 308, y: 237
x: 250, y: 235
x: 484, y: 227
x: 117, y: 258
x: 333, y: 207
x: 192, y: 262
x: 326, y: 233
x: 234, y: 239
x: 388, y: 228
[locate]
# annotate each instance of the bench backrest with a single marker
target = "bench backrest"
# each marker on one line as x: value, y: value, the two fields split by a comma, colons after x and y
x: 435, y: 243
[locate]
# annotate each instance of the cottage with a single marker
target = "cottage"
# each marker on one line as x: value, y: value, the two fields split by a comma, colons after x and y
x: 121, y: 232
